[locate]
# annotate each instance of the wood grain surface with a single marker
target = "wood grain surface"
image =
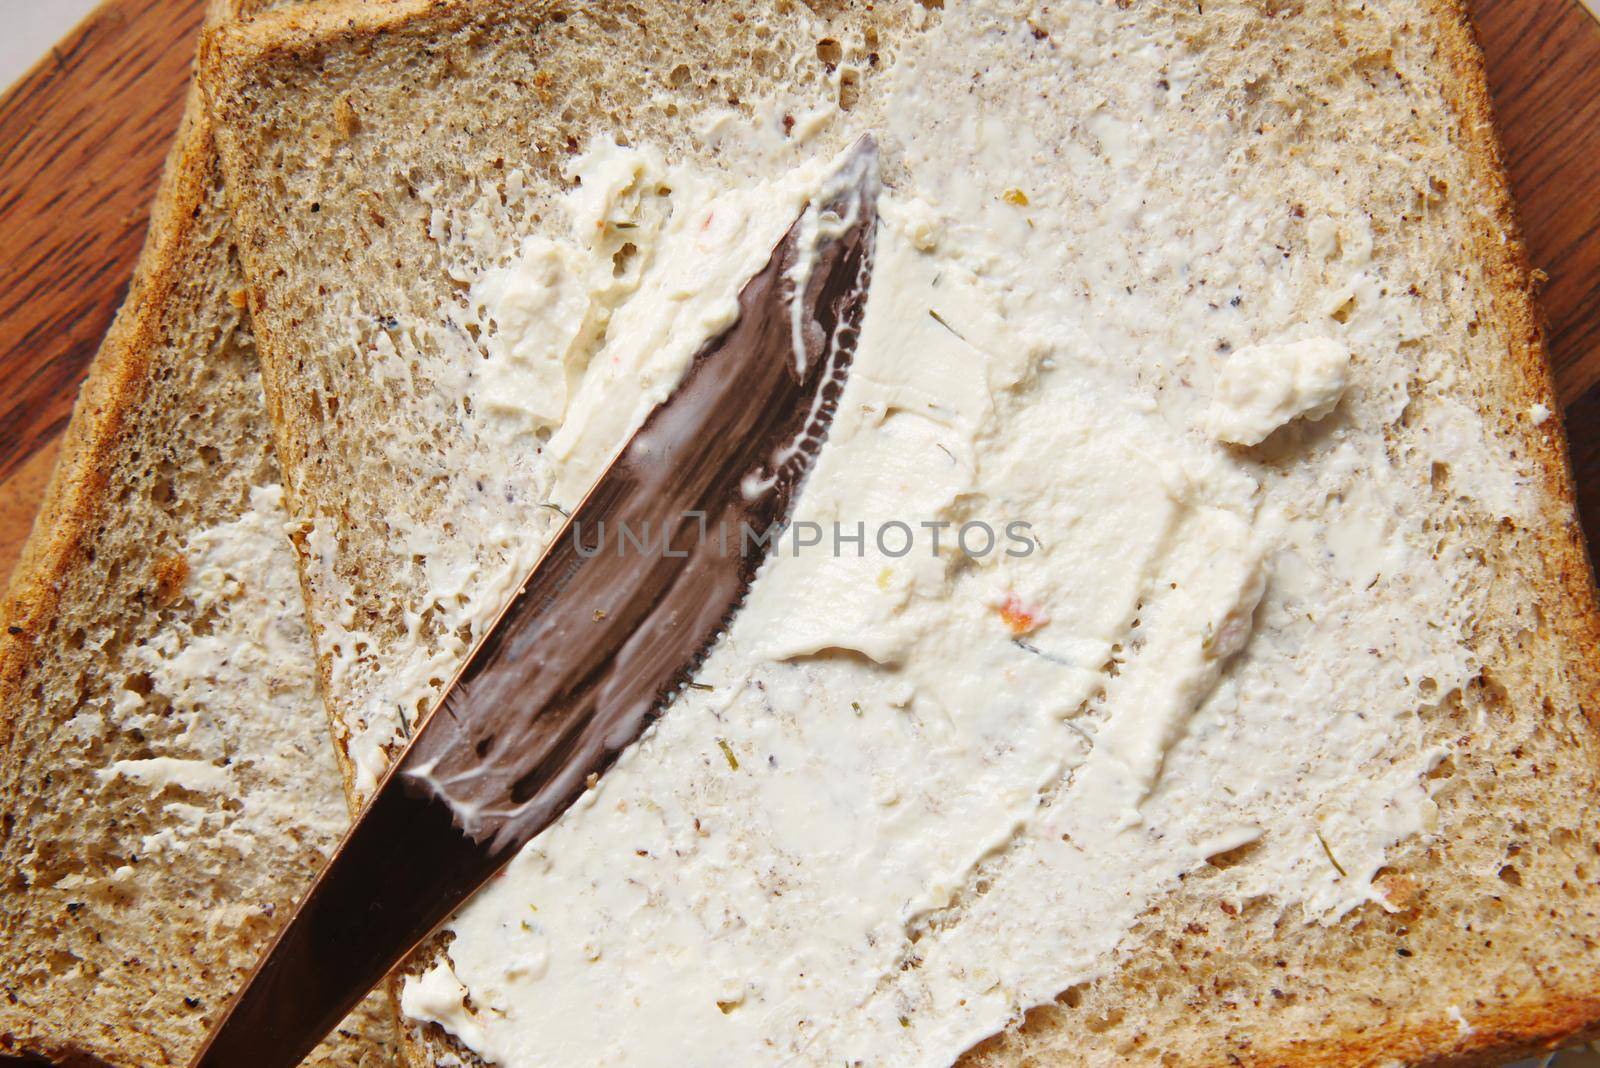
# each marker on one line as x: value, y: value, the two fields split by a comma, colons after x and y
x: 83, y: 136
x: 1543, y: 59
x: 82, y: 140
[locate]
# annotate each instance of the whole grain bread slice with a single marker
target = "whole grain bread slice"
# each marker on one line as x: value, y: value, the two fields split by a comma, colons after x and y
x: 166, y: 784
x: 346, y: 135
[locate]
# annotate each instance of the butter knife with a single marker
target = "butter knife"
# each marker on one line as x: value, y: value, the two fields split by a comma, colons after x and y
x: 596, y: 641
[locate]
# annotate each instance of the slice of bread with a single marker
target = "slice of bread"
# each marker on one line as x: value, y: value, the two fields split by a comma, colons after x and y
x: 166, y: 783
x: 378, y: 163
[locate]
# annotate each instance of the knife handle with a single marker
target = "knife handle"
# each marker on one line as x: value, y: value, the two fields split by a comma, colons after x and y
x: 345, y: 938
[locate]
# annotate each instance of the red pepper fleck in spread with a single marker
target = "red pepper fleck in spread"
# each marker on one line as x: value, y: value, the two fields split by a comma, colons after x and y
x: 1019, y: 617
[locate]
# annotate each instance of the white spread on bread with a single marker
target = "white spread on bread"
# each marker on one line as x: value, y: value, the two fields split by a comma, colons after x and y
x: 437, y: 995
x: 160, y: 772
x: 912, y: 796
x: 253, y: 652
x: 1264, y: 387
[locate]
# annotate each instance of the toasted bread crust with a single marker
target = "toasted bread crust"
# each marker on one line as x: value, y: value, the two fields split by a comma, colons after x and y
x: 1531, y: 378
x: 75, y: 496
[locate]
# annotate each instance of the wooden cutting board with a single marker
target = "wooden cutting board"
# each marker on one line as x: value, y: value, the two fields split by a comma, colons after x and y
x: 83, y: 136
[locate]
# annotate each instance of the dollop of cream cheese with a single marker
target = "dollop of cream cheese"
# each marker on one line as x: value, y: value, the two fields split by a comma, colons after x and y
x: 159, y: 772
x: 542, y: 310
x: 437, y: 996
x: 1264, y: 387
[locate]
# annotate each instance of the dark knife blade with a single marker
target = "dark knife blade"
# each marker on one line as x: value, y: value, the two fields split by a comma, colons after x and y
x: 610, y: 623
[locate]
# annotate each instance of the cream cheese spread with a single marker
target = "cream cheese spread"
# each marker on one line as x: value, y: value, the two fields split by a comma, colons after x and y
x: 912, y: 795
x: 1264, y: 387
x: 253, y: 652
x: 161, y: 772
